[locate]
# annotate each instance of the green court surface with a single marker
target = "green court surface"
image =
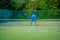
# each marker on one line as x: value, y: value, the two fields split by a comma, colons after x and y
x: 47, y: 30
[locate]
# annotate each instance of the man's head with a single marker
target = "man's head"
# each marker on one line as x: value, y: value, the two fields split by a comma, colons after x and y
x: 33, y: 15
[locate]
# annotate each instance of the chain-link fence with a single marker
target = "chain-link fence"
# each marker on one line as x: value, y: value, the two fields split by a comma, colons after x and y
x: 25, y: 14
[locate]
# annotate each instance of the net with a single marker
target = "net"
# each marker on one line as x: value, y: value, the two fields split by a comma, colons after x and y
x: 27, y: 22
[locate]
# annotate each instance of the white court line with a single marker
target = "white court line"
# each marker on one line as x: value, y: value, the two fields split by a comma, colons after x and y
x: 30, y: 29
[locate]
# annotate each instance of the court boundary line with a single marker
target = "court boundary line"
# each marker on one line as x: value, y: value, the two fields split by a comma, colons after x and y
x: 30, y: 28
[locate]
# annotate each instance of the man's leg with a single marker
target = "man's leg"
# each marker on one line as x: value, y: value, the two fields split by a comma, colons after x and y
x: 35, y: 23
x: 31, y: 22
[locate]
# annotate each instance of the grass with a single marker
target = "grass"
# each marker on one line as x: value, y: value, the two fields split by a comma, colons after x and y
x: 42, y: 32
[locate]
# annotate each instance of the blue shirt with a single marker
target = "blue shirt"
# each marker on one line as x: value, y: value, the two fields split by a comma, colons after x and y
x: 33, y: 17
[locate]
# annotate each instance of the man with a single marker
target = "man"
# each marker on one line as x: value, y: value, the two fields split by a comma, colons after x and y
x: 33, y: 19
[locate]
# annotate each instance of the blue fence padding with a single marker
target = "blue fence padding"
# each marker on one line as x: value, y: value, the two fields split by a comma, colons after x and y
x: 25, y: 14
x: 5, y: 14
x: 8, y: 14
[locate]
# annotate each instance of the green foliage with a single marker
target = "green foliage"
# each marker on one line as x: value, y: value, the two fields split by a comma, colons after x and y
x: 18, y: 4
x: 52, y: 4
x: 6, y: 4
x: 42, y: 5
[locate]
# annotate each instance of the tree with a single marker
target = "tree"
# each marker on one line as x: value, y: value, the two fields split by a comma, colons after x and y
x: 52, y: 4
x: 6, y: 4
